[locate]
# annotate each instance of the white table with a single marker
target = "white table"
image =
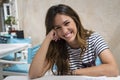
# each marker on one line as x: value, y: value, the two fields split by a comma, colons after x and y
x: 6, y: 49
x: 63, y: 78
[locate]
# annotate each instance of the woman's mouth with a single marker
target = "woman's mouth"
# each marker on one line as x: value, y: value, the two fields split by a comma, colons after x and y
x: 68, y: 35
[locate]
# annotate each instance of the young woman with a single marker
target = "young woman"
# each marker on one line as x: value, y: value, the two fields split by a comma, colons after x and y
x: 71, y: 47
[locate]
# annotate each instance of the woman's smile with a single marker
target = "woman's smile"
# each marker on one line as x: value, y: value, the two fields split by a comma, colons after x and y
x: 68, y: 34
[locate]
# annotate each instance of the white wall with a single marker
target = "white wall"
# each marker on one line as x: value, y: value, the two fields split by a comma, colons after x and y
x: 99, y: 15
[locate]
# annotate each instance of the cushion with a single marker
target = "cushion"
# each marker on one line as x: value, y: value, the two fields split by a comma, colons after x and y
x: 16, y: 40
x: 4, y: 39
x: 21, y: 68
x: 11, y: 56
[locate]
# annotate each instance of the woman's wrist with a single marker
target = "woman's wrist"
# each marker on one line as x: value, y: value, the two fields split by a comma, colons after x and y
x: 48, y: 38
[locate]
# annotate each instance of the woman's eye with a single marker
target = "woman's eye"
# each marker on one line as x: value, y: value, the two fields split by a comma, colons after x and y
x: 57, y: 27
x: 67, y: 23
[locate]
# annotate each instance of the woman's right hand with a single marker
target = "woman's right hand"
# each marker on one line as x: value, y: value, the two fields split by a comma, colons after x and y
x: 52, y: 35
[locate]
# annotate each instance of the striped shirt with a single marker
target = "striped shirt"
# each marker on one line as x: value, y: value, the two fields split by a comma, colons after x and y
x: 95, y: 45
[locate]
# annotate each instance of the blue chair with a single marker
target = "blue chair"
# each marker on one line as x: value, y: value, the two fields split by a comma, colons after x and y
x: 98, y: 61
x: 21, y: 68
x: 31, y: 52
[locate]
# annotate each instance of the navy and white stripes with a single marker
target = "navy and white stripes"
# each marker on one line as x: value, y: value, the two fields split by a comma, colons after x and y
x: 95, y: 45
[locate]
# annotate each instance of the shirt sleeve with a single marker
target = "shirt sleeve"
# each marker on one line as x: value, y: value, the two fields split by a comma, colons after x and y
x: 99, y: 44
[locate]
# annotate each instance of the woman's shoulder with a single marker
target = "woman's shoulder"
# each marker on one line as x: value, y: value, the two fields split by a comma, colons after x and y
x: 94, y: 35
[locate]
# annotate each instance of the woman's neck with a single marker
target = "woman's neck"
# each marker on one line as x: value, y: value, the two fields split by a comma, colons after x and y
x: 74, y: 44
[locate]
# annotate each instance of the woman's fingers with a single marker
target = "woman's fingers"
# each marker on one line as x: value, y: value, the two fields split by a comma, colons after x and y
x: 55, y: 36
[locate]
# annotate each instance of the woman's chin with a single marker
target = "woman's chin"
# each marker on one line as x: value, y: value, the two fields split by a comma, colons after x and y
x: 71, y: 40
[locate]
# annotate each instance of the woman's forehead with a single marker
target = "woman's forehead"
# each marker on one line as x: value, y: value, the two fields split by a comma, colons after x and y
x: 61, y: 18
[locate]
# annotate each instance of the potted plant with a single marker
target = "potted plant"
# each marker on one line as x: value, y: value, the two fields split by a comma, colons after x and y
x: 10, y: 21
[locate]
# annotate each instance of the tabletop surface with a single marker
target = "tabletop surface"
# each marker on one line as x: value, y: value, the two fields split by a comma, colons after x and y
x: 63, y: 78
x: 9, y: 48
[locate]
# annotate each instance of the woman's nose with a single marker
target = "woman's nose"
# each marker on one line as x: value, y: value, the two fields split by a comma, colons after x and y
x: 64, y: 30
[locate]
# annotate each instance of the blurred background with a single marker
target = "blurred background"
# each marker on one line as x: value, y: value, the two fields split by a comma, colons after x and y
x: 101, y: 16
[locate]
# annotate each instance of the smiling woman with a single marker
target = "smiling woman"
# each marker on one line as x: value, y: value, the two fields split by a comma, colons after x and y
x: 71, y: 48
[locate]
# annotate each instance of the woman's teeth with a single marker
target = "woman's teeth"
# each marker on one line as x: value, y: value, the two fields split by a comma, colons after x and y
x: 68, y: 35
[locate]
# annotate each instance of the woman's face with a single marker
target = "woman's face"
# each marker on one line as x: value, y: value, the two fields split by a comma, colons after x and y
x: 65, y: 27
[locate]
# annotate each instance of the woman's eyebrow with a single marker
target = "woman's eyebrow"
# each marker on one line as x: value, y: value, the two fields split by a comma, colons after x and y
x: 61, y: 24
x: 55, y: 26
x: 65, y: 21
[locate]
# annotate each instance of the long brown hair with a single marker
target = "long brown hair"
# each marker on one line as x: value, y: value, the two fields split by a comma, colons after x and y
x: 57, y: 53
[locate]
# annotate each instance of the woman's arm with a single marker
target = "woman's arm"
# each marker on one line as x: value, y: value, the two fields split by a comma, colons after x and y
x: 108, y: 68
x: 39, y: 64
